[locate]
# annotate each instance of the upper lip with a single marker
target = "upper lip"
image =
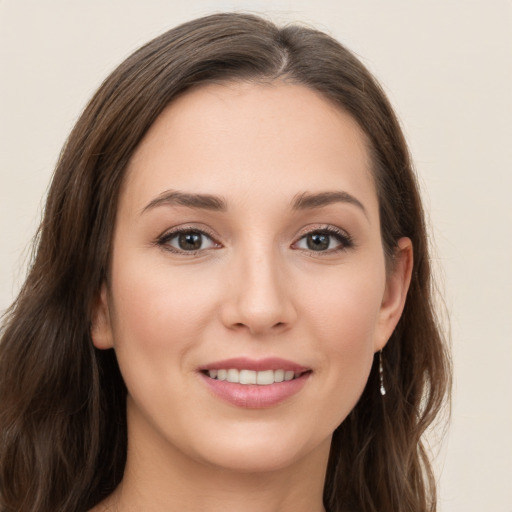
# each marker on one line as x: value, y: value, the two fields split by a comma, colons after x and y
x: 244, y: 363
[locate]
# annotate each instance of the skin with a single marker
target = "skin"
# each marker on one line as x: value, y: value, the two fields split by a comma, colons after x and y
x: 255, y: 289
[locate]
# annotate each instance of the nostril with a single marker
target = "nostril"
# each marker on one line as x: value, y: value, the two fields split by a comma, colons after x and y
x: 242, y: 325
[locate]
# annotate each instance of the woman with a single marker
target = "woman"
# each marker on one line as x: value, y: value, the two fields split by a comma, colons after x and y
x: 230, y: 303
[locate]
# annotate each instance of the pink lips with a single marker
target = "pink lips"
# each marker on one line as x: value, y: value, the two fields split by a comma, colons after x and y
x: 253, y: 396
x: 242, y: 363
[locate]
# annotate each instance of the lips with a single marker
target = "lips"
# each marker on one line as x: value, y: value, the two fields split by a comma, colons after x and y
x: 255, y: 384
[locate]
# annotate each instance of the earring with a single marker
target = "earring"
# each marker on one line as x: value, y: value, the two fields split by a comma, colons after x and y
x: 381, y: 375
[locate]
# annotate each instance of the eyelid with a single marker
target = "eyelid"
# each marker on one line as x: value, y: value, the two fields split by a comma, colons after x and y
x: 163, y: 239
x: 345, y: 239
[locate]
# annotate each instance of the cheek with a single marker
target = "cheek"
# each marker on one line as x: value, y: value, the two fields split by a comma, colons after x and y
x: 345, y: 305
x: 159, y: 317
x: 342, y: 313
x: 159, y: 307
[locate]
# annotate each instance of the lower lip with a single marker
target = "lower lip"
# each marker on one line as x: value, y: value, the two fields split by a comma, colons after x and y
x: 253, y: 396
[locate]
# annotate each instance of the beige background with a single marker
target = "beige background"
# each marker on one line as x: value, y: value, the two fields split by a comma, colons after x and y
x: 447, y: 66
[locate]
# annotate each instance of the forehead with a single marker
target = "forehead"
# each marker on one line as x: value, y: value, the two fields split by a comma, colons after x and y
x: 251, y: 139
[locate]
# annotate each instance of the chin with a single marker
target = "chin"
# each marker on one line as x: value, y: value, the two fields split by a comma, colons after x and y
x: 260, y: 453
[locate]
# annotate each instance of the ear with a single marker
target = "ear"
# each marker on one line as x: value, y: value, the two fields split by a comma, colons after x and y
x: 397, y: 285
x: 101, y: 328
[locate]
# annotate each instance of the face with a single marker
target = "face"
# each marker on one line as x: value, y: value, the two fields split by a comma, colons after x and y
x: 248, y: 289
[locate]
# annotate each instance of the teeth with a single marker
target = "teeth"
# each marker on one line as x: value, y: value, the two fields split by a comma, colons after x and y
x: 233, y: 376
x: 247, y: 377
x: 288, y: 375
x: 263, y: 378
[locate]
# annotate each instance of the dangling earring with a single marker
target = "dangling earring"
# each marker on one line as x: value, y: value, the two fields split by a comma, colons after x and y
x: 381, y: 375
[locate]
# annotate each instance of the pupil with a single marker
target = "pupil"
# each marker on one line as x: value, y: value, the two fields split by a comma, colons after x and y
x: 189, y: 241
x: 318, y: 242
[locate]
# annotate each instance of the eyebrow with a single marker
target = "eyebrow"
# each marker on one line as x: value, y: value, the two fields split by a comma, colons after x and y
x: 303, y: 201
x: 307, y: 200
x: 174, y: 197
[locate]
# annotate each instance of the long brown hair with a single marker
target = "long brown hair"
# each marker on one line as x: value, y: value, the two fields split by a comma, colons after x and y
x: 63, y: 433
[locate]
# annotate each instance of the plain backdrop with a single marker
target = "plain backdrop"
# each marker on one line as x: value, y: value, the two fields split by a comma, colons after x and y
x: 447, y: 67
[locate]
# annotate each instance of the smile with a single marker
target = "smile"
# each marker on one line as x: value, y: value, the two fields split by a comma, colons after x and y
x: 260, y: 378
x: 255, y: 384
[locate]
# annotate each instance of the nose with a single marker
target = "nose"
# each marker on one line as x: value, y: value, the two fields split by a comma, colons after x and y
x: 259, y: 295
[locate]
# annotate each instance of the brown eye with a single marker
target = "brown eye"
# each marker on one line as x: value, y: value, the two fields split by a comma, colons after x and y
x: 318, y: 241
x: 191, y: 241
x: 327, y: 240
x: 187, y: 241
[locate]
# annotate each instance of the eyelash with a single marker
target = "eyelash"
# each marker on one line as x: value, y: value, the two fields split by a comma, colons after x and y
x: 344, y: 240
x: 163, y: 240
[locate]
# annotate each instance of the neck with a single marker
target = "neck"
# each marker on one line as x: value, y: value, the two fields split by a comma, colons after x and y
x: 272, y: 492
x: 160, y: 478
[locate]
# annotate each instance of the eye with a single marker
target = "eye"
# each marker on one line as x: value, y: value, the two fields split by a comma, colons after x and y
x: 187, y: 241
x: 324, y: 240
